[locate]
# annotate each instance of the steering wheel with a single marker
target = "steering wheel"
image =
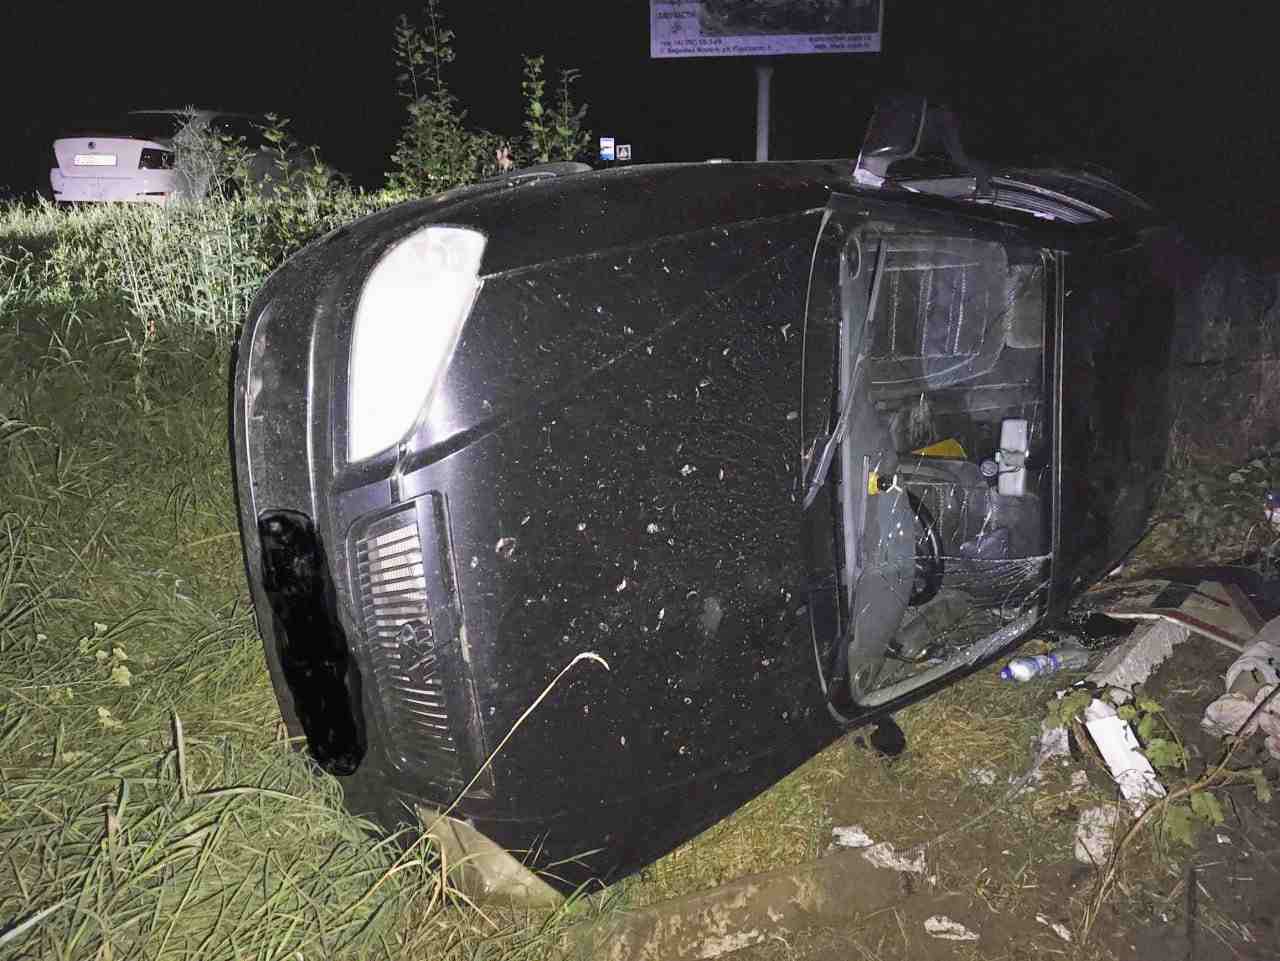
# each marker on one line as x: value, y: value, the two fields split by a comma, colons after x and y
x: 928, y: 571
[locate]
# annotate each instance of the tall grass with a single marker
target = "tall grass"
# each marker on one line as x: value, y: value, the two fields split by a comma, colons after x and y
x: 151, y: 805
x: 179, y: 273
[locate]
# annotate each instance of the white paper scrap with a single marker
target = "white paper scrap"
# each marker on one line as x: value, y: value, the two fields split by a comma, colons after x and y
x: 1119, y: 748
x: 941, y: 926
x: 1061, y: 930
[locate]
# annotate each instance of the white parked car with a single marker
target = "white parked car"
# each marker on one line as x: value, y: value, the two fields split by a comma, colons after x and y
x: 133, y: 159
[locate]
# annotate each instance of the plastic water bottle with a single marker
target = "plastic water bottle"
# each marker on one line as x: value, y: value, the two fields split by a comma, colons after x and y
x: 1062, y: 658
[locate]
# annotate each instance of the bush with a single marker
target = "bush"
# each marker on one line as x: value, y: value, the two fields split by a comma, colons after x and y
x: 553, y: 133
x: 436, y: 151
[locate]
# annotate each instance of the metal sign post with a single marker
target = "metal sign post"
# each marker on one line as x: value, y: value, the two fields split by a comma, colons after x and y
x: 733, y: 28
x: 764, y: 74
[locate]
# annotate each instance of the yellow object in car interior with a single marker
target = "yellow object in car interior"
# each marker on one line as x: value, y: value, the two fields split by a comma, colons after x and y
x: 949, y: 448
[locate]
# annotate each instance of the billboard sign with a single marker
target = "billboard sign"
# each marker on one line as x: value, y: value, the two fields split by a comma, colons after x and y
x: 763, y: 28
x: 606, y: 148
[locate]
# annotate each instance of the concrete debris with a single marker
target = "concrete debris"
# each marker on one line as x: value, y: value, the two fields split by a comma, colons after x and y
x: 1250, y: 680
x: 1061, y: 930
x: 983, y: 775
x: 1133, y: 661
x: 1095, y: 834
x: 1053, y: 743
x: 1119, y: 748
x: 852, y: 836
x: 882, y: 855
x: 1079, y: 781
x: 941, y: 926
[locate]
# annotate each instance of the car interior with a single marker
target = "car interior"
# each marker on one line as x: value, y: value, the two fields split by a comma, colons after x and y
x: 954, y: 347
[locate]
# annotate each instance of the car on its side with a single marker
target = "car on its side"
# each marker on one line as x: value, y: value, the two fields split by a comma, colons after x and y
x: 133, y: 159
x: 787, y: 445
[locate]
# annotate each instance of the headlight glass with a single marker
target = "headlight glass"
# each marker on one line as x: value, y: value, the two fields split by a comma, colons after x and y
x: 408, y: 319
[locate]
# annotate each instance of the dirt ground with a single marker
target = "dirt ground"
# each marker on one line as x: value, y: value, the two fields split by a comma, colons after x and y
x: 1000, y: 861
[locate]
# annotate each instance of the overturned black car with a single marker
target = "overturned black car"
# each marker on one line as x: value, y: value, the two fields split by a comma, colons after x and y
x: 785, y: 444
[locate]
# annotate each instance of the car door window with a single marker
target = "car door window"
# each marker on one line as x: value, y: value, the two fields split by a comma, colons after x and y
x: 943, y: 480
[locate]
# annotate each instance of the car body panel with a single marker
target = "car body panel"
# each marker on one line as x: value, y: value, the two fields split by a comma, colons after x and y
x: 616, y: 460
x: 103, y: 164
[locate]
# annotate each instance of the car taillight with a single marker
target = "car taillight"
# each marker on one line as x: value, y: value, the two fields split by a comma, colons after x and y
x: 155, y: 159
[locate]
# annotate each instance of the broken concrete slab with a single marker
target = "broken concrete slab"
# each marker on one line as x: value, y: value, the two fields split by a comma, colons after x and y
x: 744, y: 912
x: 1132, y: 662
x: 481, y: 869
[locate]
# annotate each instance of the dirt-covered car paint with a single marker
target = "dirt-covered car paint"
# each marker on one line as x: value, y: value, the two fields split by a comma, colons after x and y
x: 621, y: 457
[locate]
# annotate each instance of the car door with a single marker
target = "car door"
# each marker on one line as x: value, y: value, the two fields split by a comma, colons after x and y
x: 924, y: 341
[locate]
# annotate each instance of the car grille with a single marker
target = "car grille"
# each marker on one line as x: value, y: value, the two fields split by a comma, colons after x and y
x: 408, y: 665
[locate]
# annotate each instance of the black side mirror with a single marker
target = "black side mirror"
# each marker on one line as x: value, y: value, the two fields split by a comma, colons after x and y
x: 904, y: 126
x: 895, y: 131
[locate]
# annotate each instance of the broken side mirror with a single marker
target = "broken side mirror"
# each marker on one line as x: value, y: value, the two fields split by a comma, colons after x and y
x: 895, y: 131
x: 906, y: 126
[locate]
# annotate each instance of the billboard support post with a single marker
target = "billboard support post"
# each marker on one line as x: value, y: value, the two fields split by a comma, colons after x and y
x: 764, y: 73
x: 763, y: 31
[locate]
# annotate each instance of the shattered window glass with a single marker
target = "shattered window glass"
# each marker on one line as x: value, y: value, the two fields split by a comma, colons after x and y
x: 946, y: 336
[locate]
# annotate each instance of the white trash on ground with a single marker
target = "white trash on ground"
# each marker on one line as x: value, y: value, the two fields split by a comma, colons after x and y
x: 852, y: 836
x: 1096, y: 834
x: 1119, y: 748
x: 1064, y: 657
x: 1061, y: 930
x: 881, y: 854
x: 1250, y: 680
x: 1054, y: 742
x: 941, y: 926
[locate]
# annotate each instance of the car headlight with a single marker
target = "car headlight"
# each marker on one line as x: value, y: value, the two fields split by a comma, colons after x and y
x: 408, y: 319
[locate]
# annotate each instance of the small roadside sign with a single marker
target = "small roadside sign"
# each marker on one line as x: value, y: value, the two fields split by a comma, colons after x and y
x: 624, y: 151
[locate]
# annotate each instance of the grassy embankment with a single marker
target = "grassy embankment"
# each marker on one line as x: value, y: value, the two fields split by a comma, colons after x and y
x: 150, y: 805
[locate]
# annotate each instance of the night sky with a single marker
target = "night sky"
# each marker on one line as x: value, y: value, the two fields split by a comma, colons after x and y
x: 1178, y: 98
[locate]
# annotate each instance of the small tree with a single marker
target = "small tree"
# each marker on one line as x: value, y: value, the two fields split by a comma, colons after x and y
x: 435, y: 151
x: 558, y: 132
